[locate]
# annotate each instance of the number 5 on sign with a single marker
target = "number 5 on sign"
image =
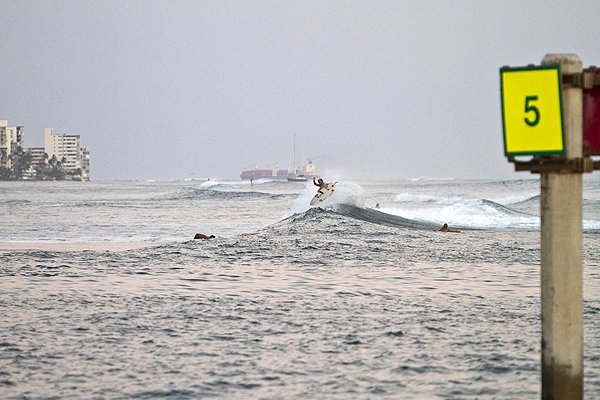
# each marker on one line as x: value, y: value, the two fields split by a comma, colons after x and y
x: 532, y: 111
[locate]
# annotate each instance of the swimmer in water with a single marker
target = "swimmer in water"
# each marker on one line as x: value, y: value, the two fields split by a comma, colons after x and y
x: 203, y: 236
x: 445, y: 228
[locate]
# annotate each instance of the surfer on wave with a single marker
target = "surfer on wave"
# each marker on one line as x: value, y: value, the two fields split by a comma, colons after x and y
x: 325, y: 190
x: 319, y: 183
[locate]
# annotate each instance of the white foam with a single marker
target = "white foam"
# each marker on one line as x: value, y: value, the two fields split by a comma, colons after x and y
x: 212, y: 183
x: 591, y: 224
x: 208, y: 184
x: 345, y: 193
x: 302, y: 202
x: 425, y: 178
x: 471, y: 213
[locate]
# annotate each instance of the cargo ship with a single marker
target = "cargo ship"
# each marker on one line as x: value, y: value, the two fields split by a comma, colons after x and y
x: 263, y: 173
x: 295, y: 174
x: 308, y: 171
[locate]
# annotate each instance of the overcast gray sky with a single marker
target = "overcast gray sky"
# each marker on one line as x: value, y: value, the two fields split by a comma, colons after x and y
x: 371, y: 89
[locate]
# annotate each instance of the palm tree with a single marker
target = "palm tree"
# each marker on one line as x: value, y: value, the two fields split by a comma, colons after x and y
x: 4, y: 173
x: 20, y: 162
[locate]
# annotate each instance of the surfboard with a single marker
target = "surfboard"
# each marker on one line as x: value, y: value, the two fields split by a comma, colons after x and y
x: 323, y: 193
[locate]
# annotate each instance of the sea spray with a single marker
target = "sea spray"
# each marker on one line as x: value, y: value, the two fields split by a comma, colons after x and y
x: 348, y: 193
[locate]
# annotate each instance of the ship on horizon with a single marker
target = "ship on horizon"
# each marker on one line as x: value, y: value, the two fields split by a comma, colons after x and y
x: 309, y: 170
x: 297, y: 175
x: 294, y: 174
x: 263, y: 173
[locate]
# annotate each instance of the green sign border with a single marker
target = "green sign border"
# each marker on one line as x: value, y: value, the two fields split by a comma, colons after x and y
x: 562, y: 123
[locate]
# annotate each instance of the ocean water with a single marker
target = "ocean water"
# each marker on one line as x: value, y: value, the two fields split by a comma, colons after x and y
x: 359, y: 298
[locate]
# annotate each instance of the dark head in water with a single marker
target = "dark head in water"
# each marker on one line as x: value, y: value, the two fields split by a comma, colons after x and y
x: 445, y: 228
x: 203, y: 236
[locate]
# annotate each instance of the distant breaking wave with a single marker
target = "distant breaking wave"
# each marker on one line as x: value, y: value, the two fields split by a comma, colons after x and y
x: 503, y: 208
x: 427, y: 211
x: 424, y: 198
x: 425, y: 178
x: 475, y: 213
x: 445, y: 200
x: 195, y: 193
x: 516, y: 200
x: 228, y: 184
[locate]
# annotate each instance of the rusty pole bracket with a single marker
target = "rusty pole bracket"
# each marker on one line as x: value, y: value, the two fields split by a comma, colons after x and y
x: 539, y: 164
x: 588, y: 79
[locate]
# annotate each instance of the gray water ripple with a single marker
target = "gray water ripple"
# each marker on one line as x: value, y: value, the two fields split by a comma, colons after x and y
x: 283, y: 316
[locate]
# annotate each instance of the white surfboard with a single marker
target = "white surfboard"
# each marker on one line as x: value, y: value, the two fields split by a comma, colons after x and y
x: 323, y: 193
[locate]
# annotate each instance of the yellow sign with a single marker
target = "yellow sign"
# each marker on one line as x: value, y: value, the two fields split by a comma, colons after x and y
x: 532, y: 111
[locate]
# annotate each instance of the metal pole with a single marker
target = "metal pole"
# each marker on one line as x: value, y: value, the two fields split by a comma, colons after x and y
x: 562, y: 256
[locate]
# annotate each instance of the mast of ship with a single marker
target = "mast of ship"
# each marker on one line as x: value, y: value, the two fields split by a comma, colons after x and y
x: 294, y: 170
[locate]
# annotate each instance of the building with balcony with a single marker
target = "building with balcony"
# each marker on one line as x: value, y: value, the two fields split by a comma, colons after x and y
x: 66, y: 148
x: 61, y: 158
x: 68, y: 151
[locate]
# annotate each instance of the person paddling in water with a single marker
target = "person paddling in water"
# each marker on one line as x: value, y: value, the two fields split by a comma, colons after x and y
x: 319, y: 182
x: 203, y: 236
x: 445, y: 228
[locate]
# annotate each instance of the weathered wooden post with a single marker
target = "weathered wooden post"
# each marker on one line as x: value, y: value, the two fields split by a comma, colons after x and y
x: 561, y: 253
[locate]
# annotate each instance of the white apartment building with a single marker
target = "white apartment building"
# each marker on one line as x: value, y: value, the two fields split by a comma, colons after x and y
x: 62, y: 145
x: 11, y: 137
x: 69, y: 147
x: 37, y: 155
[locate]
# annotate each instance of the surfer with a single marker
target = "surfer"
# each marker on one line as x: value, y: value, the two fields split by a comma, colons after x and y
x: 319, y: 183
x: 445, y: 228
x: 203, y: 236
x: 325, y: 190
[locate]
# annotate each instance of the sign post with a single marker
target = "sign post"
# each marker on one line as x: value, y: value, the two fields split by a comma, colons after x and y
x: 542, y: 117
x: 561, y: 199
